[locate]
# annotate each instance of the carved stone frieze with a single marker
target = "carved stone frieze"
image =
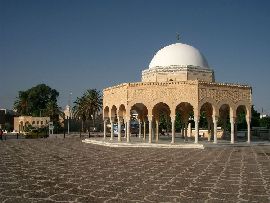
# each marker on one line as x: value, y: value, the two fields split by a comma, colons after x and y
x: 219, y: 94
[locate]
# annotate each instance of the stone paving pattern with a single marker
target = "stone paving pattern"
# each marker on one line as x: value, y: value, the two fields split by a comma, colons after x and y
x: 67, y: 170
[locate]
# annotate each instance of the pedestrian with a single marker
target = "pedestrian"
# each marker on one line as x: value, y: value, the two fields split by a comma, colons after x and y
x: 1, y: 134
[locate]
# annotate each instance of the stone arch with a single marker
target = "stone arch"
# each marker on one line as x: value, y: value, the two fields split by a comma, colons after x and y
x: 231, y: 107
x: 122, y: 111
x: 106, y: 112
x: 186, y: 112
x: 206, y: 119
x: 246, y: 106
x: 138, y: 113
x: 225, y: 112
x: 185, y: 108
x: 208, y: 108
x: 161, y: 107
x: 113, y: 112
x: 241, y: 117
x: 210, y: 101
x: 162, y: 120
x: 140, y: 109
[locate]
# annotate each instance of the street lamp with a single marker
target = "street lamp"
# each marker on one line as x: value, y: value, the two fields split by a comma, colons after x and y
x: 69, y: 107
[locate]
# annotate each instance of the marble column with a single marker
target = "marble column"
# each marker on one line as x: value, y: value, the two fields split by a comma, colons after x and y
x: 150, y: 129
x: 196, y: 120
x: 125, y: 136
x: 232, y: 120
x: 105, y: 128
x: 183, y: 130
x: 215, y: 120
x: 157, y: 130
x: 140, y: 129
x: 119, y: 129
x: 248, y: 129
x: 111, y: 129
x: 173, y: 129
x: 189, y: 130
x: 128, y: 130
x: 144, y: 130
x: 235, y: 130
x: 186, y: 125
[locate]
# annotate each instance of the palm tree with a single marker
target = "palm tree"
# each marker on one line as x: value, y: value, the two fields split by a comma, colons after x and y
x: 93, y: 102
x: 88, y: 106
x: 78, y: 111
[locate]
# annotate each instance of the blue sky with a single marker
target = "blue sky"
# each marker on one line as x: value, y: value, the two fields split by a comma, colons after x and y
x: 73, y: 45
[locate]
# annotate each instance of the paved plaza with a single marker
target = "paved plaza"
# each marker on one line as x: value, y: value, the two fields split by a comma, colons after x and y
x: 68, y: 170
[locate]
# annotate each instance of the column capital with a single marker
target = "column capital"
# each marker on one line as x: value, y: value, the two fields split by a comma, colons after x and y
x: 150, y: 117
x: 120, y: 118
x: 248, y: 119
x: 215, y: 118
x: 233, y: 119
x: 196, y: 118
x: 173, y: 117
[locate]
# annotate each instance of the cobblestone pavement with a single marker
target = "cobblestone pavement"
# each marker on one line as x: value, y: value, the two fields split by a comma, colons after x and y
x: 67, y: 170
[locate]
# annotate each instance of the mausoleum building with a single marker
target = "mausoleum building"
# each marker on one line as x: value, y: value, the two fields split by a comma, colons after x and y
x: 178, y: 79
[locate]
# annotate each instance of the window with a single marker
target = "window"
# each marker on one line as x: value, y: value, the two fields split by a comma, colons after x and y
x: 33, y: 122
x: 37, y: 122
x: 41, y: 122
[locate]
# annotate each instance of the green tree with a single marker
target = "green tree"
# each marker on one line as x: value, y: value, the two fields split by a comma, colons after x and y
x: 265, y: 122
x: 35, y: 100
x: 255, y: 117
x: 53, y: 111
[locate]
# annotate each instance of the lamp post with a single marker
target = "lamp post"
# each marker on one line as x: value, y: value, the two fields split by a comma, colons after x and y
x: 69, y: 107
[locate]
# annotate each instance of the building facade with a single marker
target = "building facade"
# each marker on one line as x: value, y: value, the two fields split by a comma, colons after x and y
x: 22, y: 122
x: 178, y: 79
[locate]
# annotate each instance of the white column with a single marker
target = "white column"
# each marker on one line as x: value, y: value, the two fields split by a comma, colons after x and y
x: 189, y: 130
x: 157, y: 130
x: 125, y: 130
x: 128, y: 130
x: 183, y: 131
x: 105, y: 126
x: 186, y: 125
x: 144, y: 130
x: 111, y: 129
x: 232, y: 120
x: 140, y: 129
x: 119, y: 129
x: 248, y: 130
x: 215, y: 120
x: 68, y: 124
x: 196, y: 120
x: 150, y: 129
x: 173, y: 129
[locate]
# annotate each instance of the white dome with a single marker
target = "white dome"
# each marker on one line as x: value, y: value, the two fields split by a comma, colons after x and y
x: 178, y: 55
